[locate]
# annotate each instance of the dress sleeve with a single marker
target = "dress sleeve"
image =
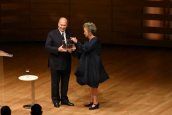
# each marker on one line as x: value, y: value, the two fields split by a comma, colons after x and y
x: 89, y: 46
x: 77, y: 53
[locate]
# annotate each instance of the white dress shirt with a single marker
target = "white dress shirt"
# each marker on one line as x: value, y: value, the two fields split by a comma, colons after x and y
x: 64, y: 33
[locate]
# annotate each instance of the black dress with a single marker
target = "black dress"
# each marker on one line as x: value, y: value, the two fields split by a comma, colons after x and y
x: 90, y: 70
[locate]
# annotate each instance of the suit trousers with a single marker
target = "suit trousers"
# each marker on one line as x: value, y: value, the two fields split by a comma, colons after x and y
x: 59, y: 85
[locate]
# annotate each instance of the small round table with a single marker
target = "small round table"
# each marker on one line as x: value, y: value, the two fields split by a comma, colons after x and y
x: 32, y: 79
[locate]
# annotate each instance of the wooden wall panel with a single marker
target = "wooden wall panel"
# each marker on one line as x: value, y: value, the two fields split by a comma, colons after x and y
x: 98, y: 12
x: 30, y: 20
x: 44, y: 15
x: 15, y: 22
x: 127, y: 20
x: 0, y: 19
x: 118, y: 21
x: 41, y: 16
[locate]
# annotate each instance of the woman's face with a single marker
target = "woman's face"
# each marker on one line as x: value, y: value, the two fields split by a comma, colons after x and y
x: 86, y: 32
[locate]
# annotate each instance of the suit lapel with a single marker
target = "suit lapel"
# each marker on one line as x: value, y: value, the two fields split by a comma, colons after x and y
x: 59, y: 35
x: 68, y: 35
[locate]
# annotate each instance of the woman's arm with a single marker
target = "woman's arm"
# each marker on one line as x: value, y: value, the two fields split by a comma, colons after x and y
x: 89, y: 46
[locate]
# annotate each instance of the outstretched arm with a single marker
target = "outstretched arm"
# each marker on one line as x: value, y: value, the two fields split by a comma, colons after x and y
x: 2, y: 53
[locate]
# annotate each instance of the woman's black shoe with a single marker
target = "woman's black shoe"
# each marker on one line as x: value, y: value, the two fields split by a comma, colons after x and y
x: 88, y: 105
x: 94, y: 106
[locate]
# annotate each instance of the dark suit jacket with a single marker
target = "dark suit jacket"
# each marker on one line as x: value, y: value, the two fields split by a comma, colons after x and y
x: 57, y: 60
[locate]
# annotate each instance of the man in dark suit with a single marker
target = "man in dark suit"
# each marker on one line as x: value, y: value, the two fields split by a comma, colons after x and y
x: 59, y: 63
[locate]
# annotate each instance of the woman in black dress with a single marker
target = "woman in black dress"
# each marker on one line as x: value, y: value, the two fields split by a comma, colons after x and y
x: 90, y: 70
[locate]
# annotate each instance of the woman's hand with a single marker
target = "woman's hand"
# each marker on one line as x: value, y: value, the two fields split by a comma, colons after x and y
x: 74, y: 39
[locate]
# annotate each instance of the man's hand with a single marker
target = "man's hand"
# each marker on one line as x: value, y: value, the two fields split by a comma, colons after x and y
x: 61, y: 49
x: 70, y: 50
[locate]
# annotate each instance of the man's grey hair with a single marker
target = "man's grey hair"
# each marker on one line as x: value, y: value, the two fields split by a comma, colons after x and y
x: 91, y: 27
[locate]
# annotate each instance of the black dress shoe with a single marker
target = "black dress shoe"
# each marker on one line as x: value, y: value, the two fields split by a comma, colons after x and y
x: 94, y: 106
x: 57, y: 104
x: 67, y: 103
x: 88, y: 105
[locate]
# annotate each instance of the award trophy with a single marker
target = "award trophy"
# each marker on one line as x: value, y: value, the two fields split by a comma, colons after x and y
x: 68, y: 44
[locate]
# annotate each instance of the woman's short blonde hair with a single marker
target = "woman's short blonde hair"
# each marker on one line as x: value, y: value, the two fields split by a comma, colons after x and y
x: 91, y: 27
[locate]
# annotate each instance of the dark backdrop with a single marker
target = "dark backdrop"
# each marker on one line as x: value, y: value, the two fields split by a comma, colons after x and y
x: 118, y: 21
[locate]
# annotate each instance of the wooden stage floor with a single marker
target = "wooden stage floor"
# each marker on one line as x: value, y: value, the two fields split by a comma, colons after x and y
x: 140, y: 82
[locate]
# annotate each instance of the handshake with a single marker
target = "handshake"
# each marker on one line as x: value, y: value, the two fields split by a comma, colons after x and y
x: 68, y: 45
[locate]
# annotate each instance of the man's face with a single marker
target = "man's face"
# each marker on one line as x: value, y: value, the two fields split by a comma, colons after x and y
x: 62, y: 24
